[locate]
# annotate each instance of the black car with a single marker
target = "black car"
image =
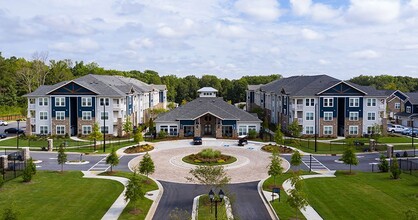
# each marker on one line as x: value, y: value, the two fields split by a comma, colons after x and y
x: 13, y: 131
x: 242, y: 141
x: 3, y: 136
x: 197, y: 140
x: 15, y: 156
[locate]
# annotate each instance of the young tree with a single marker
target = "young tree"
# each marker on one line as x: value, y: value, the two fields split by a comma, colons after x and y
x: 138, y: 137
x: 210, y: 176
x: 294, y: 128
x: 146, y: 166
x: 134, y: 191
x: 62, y: 157
x: 275, y: 166
x: 384, y: 165
x: 112, y: 159
x: 127, y: 126
x: 29, y: 171
x: 296, y: 159
x: 278, y: 135
x: 349, y: 157
x: 10, y: 214
x: 394, y: 169
x: 297, y: 198
x: 95, y: 134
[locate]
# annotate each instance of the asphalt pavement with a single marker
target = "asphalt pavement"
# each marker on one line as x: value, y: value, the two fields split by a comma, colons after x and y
x: 13, y: 124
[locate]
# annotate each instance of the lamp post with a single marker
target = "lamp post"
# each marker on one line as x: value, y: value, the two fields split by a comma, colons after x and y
x: 17, y: 134
x: 216, y: 200
x: 104, y: 125
x: 412, y: 134
x: 316, y: 126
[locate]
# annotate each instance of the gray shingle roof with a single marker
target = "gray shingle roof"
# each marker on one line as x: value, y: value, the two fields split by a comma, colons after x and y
x: 413, y: 97
x: 103, y: 85
x: 214, y: 105
x: 254, y: 87
x: 370, y: 90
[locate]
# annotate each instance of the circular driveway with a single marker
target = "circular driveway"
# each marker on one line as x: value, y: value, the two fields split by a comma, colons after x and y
x: 251, y: 164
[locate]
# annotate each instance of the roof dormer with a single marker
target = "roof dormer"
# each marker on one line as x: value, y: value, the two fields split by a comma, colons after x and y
x: 207, y: 92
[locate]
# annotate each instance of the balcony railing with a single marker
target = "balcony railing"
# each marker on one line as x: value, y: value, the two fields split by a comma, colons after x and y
x: 31, y: 106
x: 300, y: 121
x: 33, y: 120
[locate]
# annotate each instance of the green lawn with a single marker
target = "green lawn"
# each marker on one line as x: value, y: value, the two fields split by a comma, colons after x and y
x: 388, y: 139
x: 12, y: 142
x: 99, y: 147
x: 52, y: 195
x: 363, y: 196
x: 204, y: 212
x: 282, y: 208
x: 144, y: 204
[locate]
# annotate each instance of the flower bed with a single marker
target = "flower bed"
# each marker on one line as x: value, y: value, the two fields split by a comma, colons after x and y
x: 139, y: 149
x: 209, y: 157
x: 281, y: 149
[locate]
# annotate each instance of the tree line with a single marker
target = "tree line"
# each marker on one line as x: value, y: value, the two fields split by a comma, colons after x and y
x: 19, y: 76
x: 387, y: 82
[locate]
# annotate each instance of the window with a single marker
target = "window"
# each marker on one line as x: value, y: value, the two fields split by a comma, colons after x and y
x: 327, y: 130
x: 354, y: 102
x: 60, y: 129
x: 173, y: 130
x: 242, y: 130
x: 309, y: 130
x: 86, y: 101
x: 43, y: 115
x: 164, y: 128
x: 251, y: 127
x: 60, y: 101
x: 86, y: 129
x: 104, y: 101
x: 104, y: 115
x: 371, y: 116
x: 397, y: 105
x: 328, y: 116
x: 370, y: 129
x: 43, y: 101
x: 328, y: 102
x: 86, y: 115
x: 60, y: 115
x: 353, y: 116
x: 309, y: 116
x: 31, y: 101
x: 408, y: 109
x: 371, y: 102
x: 43, y: 129
x: 353, y: 130
x: 104, y: 130
x: 309, y: 102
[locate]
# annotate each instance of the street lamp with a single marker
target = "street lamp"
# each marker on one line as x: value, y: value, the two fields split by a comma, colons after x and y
x: 17, y: 134
x: 412, y: 134
x: 104, y: 125
x: 216, y: 200
x: 316, y: 126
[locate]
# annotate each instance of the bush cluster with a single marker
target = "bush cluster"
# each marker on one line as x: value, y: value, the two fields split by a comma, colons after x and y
x: 270, y: 148
x: 209, y: 156
x: 139, y: 149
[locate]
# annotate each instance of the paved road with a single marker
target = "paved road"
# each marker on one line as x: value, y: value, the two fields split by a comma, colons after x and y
x: 246, y: 202
x: 22, y: 125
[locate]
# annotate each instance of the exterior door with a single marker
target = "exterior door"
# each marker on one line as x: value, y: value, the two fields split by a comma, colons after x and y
x: 208, y: 129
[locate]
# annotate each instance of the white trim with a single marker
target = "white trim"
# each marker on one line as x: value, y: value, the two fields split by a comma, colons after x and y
x: 47, y: 93
x: 338, y: 84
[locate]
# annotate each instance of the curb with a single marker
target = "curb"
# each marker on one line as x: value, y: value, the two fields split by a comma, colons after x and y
x: 195, y: 213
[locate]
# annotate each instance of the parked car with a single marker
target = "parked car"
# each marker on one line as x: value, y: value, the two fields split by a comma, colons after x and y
x: 242, y: 141
x: 197, y: 140
x: 395, y: 128
x: 3, y: 123
x: 13, y: 131
x: 15, y: 156
x: 414, y: 132
x: 3, y: 136
x: 406, y: 131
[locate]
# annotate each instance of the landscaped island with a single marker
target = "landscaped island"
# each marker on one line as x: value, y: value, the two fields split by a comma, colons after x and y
x: 209, y: 157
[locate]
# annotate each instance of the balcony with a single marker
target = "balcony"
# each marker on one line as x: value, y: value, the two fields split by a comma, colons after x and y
x: 117, y: 106
x: 297, y: 107
x: 31, y: 106
x: 32, y: 121
x: 300, y: 121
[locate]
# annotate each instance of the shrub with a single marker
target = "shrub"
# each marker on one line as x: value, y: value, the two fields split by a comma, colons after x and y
x: 197, y: 161
x: 384, y: 165
x: 405, y: 154
x: 209, y: 153
x: 221, y: 161
x: 394, y: 169
x: 162, y: 134
x: 29, y: 171
x: 10, y: 214
x: 252, y: 134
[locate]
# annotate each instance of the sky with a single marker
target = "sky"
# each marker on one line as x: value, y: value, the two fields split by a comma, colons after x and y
x: 225, y: 38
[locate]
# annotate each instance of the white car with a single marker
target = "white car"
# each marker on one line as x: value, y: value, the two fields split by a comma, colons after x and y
x: 3, y: 123
x: 395, y: 128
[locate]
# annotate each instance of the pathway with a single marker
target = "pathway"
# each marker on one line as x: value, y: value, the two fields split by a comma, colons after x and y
x: 312, y: 163
x: 101, y: 166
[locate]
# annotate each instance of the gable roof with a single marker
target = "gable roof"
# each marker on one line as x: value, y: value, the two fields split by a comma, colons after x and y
x: 103, y: 85
x: 203, y: 105
x: 412, y: 97
x: 207, y: 89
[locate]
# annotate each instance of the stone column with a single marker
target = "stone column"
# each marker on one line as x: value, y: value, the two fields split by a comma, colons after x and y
x: 389, y: 151
x: 181, y: 133
x: 4, y: 163
x: 119, y: 127
x: 26, y: 153
x: 234, y: 133
x: 218, y: 131
x: 50, y: 144
x: 28, y: 126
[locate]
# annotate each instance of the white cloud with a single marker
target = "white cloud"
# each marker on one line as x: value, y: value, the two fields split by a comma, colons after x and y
x: 85, y: 45
x: 323, y: 62
x: 373, y: 11
x: 301, y: 7
x: 140, y: 43
x: 231, y: 31
x: 266, y: 10
x: 318, y: 12
x: 310, y: 34
x: 169, y: 32
x: 365, y: 54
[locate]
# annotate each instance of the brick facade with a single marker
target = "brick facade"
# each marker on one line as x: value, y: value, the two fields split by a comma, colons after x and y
x: 65, y: 122
x: 348, y: 123
x: 332, y: 123
x: 81, y: 122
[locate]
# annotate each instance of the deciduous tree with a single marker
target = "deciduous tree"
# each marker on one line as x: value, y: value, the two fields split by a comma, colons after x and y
x: 275, y: 167
x: 112, y: 159
x: 62, y: 156
x: 146, y: 166
x: 349, y: 157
